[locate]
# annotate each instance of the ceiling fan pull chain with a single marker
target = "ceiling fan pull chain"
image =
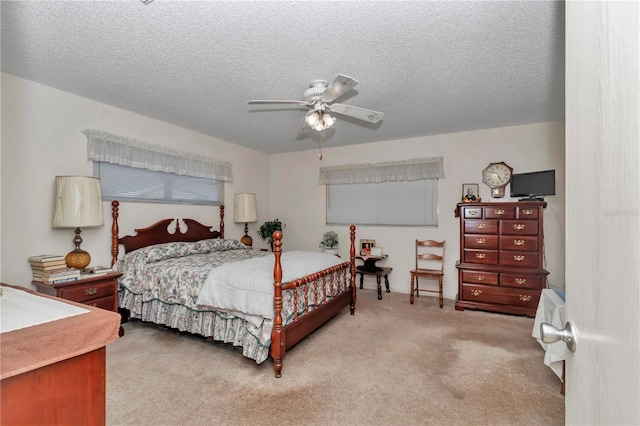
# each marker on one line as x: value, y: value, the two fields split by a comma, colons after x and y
x: 320, y: 152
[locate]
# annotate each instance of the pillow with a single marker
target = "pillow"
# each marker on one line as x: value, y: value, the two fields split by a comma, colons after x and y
x: 218, y: 244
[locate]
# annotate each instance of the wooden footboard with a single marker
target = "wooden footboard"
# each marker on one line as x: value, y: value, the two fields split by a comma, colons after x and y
x: 342, y: 294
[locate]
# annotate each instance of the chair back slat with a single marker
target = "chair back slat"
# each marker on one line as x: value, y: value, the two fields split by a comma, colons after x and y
x: 430, y: 254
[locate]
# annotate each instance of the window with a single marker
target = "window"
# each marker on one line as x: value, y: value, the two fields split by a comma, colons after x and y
x: 392, y: 193
x: 141, y: 185
x: 134, y: 170
x: 411, y: 203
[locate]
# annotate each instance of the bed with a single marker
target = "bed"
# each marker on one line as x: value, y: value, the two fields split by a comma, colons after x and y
x: 179, y: 279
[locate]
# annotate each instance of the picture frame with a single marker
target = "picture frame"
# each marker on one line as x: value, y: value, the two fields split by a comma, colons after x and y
x: 376, y: 251
x: 364, y: 244
x: 470, y: 193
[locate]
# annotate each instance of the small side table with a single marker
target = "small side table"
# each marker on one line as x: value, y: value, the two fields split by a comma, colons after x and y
x: 100, y: 291
x: 369, y: 268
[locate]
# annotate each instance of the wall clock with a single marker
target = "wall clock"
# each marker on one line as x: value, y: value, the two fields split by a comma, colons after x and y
x: 497, y: 176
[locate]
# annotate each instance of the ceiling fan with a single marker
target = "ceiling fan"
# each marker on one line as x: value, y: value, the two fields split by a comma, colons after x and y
x: 318, y: 97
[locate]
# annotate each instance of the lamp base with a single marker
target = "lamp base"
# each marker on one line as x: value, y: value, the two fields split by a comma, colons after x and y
x: 78, y: 259
x: 247, y: 240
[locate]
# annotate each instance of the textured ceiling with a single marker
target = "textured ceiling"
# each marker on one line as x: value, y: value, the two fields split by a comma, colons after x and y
x: 432, y: 67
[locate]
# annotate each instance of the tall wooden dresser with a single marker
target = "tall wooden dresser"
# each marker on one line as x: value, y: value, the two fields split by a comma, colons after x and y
x: 501, y: 265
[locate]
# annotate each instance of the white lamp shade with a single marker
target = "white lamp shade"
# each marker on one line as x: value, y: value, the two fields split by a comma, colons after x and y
x: 77, y: 202
x: 245, y: 208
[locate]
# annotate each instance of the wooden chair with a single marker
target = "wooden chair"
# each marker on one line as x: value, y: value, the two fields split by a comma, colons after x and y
x: 429, y: 264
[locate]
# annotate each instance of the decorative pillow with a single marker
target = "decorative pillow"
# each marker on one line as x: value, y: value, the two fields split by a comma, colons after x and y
x: 217, y: 244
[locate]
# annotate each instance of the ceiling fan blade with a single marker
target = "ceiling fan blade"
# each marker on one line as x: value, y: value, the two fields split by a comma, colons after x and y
x: 255, y: 102
x: 303, y: 127
x: 357, y: 112
x: 338, y: 87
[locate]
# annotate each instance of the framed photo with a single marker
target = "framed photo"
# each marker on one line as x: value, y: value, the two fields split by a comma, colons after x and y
x: 366, y: 245
x: 376, y: 251
x: 470, y: 193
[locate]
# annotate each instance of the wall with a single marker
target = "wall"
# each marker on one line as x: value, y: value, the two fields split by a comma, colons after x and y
x: 41, y: 139
x: 300, y: 202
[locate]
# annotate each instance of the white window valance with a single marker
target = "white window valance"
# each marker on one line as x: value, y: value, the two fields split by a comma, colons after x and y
x: 391, y: 171
x: 115, y: 149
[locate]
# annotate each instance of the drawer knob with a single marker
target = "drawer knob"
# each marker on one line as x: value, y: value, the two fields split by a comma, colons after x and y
x: 479, y: 277
x: 518, y: 226
x: 480, y: 240
x: 518, y: 258
x: 476, y: 292
x: 481, y: 226
x: 499, y: 212
x: 473, y: 212
x: 521, y: 281
x: 480, y: 255
x: 518, y: 242
x: 527, y: 212
x: 91, y: 291
x: 524, y: 297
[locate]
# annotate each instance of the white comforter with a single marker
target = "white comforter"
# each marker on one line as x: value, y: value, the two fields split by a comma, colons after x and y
x: 245, y: 288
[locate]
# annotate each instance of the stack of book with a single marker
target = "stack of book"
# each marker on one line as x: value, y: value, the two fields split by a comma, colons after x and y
x: 52, y: 269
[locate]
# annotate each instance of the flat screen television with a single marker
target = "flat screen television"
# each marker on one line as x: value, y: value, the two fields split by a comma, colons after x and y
x: 534, y: 185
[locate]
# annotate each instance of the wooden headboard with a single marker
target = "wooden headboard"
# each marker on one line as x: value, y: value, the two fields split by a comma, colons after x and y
x: 158, y: 233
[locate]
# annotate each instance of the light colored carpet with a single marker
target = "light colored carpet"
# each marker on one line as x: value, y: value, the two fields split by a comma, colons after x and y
x: 391, y: 364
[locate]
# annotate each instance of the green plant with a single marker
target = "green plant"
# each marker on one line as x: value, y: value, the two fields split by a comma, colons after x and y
x: 329, y: 240
x: 268, y: 228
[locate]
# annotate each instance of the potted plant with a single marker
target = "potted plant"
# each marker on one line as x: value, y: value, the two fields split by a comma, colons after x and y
x: 268, y: 228
x: 330, y: 242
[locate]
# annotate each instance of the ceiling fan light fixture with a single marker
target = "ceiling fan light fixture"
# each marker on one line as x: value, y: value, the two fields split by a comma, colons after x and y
x: 313, y: 118
x: 328, y: 120
x: 319, y: 120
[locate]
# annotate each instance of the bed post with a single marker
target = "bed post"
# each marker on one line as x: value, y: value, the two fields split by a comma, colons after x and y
x: 222, y: 221
x: 278, y: 334
x: 352, y: 258
x: 114, y: 231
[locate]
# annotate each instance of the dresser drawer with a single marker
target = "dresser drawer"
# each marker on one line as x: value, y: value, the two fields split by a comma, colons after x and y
x: 518, y: 243
x: 489, y: 242
x: 89, y: 291
x: 480, y: 226
x: 519, y: 227
x: 527, y: 213
x: 480, y: 277
x: 522, y: 281
x: 501, y: 295
x: 524, y: 259
x: 485, y: 257
x: 501, y: 212
x: 472, y: 213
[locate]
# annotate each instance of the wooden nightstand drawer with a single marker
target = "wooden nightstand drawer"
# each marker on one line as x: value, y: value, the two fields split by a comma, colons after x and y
x: 104, y: 302
x: 89, y: 291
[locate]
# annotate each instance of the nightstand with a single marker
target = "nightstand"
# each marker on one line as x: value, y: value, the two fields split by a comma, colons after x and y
x: 100, y: 291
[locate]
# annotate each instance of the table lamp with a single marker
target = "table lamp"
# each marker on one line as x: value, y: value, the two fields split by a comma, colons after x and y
x: 245, y: 211
x: 77, y: 204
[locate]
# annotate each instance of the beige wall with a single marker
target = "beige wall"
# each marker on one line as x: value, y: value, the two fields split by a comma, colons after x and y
x: 41, y: 139
x: 298, y: 200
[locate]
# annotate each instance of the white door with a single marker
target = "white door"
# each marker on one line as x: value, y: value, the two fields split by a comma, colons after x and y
x: 602, y: 211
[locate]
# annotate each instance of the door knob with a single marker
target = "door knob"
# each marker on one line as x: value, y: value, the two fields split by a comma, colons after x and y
x: 550, y: 334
